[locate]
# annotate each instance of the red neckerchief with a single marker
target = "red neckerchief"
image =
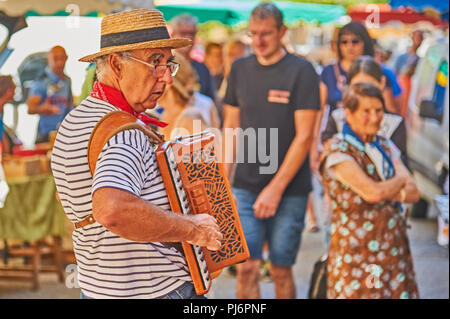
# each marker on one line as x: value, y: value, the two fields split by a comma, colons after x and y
x: 113, y: 96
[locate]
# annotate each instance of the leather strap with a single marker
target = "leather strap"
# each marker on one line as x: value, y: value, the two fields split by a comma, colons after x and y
x: 87, y: 221
x: 111, y: 124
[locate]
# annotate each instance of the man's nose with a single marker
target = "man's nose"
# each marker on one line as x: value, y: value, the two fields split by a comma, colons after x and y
x: 167, y: 77
x: 258, y: 40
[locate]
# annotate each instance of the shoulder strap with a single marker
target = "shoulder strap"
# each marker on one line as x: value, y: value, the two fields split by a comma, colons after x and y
x: 111, y: 124
x: 341, y: 80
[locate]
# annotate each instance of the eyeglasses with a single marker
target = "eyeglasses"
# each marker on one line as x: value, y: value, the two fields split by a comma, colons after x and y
x: 353, y: 41
x: 264, y: 35
x: 160, y: 69
x: 187, y: 34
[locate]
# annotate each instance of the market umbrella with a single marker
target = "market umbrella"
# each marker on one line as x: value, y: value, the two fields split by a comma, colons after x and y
x: 421, y: 5
x: 234, y: 12
x: 442, y: 6
x: 12, y: 24
x: 384, y: 13
x: 14, y: 12
x: 49, y: 7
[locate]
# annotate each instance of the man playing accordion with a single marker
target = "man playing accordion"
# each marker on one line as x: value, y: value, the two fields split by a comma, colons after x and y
x: 121, y: 211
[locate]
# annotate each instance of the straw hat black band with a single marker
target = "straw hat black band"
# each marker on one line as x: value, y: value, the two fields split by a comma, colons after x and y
x: 135, y: 36
x: 133, y: 30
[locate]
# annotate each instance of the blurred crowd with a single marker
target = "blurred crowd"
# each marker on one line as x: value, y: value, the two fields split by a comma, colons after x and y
x: 50, y: 95
x: 349, y: 100
x: 211, y: 67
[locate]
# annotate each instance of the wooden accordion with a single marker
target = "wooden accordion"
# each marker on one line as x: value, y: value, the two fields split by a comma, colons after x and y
x: 196, y: 183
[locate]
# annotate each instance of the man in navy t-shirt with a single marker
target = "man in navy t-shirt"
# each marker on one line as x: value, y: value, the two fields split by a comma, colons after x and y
x: 273, y: 98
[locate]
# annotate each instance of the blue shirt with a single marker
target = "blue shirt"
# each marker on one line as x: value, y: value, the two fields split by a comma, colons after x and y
x: 335, y: 85
x: 60, y: 93
x: 404, y: 62
x: 2, y: 128
x: 391, y: 81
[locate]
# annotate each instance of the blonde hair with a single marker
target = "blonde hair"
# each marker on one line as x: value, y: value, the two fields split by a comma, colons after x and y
x: 185, y: 73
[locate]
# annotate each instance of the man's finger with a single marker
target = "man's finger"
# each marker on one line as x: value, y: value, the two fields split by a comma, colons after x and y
x: 261, y: 212
x: 257, y: 207
x: 214, y: 246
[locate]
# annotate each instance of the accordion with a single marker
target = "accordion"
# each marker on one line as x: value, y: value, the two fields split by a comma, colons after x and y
x: 196, y: 183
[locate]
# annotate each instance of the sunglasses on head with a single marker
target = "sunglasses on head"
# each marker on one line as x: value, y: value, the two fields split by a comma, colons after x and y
x: 353, y: 41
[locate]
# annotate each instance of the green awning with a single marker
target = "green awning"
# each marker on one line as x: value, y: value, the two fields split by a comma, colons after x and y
x: 235, y: 12
x: 15, y: 8
x: 61, y: 13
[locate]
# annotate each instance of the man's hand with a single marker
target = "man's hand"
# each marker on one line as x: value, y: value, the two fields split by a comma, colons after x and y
x: 48, y: 108
x: 206, y: 232
x: 266, y: 204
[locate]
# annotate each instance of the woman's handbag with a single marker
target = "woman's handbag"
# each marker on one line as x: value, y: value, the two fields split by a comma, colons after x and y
x: 318, y: 283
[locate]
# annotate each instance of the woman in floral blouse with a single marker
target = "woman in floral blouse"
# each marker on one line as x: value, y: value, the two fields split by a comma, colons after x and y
x: 366, y: 182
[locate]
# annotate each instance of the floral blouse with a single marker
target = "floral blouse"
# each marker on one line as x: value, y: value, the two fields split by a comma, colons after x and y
x: 369, y: 255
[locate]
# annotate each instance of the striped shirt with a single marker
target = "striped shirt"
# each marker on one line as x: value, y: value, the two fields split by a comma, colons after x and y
x: 110, y: 266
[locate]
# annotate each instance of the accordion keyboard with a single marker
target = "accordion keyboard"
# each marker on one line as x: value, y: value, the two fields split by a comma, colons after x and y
x: 184, y: 204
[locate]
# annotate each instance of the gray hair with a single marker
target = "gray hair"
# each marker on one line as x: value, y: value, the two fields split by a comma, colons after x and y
x: 101, y: 64
x: 183, y: 19
x: 266, y: 10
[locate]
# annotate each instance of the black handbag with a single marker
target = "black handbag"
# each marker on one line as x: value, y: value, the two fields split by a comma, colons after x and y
x: 318, y: 283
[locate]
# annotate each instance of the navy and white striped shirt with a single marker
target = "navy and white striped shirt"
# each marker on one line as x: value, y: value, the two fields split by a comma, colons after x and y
x: 110, y: 266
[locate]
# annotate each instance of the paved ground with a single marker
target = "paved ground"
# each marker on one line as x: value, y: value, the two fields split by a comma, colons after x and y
x: 431, y: 264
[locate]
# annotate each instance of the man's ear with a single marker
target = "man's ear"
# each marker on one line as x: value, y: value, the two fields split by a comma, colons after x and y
x: 283, y: 30
x: 115, y: 63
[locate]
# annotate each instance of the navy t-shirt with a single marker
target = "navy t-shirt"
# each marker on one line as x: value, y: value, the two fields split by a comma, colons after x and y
x: 267, y: 97
x: 205, y: 79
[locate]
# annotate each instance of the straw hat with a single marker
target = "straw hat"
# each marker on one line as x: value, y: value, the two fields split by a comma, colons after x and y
x: 134, y: 29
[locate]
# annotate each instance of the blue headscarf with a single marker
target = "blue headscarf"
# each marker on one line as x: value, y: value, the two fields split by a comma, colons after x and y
x: 386, y: 165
